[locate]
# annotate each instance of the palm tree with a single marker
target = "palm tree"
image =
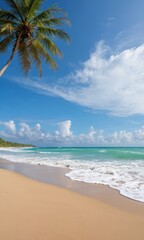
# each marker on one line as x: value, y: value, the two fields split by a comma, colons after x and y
x: 31, y: 33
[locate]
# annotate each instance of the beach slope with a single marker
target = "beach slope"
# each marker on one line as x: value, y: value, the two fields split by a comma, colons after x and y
x: 33, y: 210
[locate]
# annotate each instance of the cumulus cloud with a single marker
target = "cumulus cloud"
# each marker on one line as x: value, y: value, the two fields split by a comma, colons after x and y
x: 89, y: 137
x: 106, y: 81
x: 10, y: 126
x: 26, y: 131
x: 123, y: 137
x: 63, y: 136
x: 64, y: 129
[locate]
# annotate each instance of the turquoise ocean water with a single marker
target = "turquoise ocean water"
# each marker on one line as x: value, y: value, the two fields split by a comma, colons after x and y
x: 119, y: 168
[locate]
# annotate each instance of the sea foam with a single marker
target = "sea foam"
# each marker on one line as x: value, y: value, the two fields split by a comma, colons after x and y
x: 121, y: 169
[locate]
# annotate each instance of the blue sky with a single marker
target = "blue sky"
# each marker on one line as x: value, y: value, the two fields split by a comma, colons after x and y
x: 96, y: 96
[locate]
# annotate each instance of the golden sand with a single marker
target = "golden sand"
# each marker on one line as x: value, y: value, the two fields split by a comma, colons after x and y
x: 30, y: 210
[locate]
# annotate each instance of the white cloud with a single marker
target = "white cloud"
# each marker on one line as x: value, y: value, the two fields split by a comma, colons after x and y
x: 111, y: 82
x: 115, y: 84
x: 64, y: 129
x: 123, y: 137
x: 89, y: 137
x: 63, y: 136
x: 25, y: 131
x: 10, y: 126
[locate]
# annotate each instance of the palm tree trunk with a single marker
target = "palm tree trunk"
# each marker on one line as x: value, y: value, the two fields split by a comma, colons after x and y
x: 6, y: 65
x: 12, y: 56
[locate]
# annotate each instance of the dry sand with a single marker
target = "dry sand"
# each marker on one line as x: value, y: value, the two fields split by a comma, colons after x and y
x: 30, y: 210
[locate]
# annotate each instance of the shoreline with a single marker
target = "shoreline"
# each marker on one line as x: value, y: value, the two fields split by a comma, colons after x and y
x: 56, y: 176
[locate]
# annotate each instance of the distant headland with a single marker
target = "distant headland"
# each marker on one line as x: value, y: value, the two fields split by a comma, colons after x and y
x: 4, y: 143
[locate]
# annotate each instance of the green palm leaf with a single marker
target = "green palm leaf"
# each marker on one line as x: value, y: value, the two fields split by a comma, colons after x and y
x: 50, y: 12
x: 33, y: 51
x: 3, y: 21
x: 15, y: 7
x: 34, y: 5
x: 4, y: 44
x: 49, y: 45
x: 24, y: 57
x: 7, y: 27
x: 56, y: 21
x: 7, y: 15
x: 31, y: 33
x: 43, y: 54
x: 54, y: 33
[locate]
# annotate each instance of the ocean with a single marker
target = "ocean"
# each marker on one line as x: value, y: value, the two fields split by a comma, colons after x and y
x: 119, y: 168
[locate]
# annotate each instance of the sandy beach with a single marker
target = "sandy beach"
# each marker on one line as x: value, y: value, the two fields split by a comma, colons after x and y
x: 33, y: 210
x: 71, y: 120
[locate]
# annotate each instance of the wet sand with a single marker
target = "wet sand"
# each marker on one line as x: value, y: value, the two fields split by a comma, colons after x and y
x: 56, y: 176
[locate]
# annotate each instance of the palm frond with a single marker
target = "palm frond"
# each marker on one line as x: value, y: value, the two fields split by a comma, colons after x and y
x: 15, y: 7
x: 7, y: 27
x: 56, y: 21
x: 52, y: 22
x: 54, y: 33
x: 4, y: 44
x: 24, y: 57
x: 26, y: 2
x: 50, y: 12
x: 35, y: 57
x: 31, y: 33
x: 49, y: 45
x: 7, y: 15
x: 25, y: 7
x: 4, y: 34
x: 43, y: 54
x: 3, y: 21
x: 34, y: 6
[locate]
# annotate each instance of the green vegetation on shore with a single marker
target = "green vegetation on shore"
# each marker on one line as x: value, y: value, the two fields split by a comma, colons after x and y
x: 4, y: 143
